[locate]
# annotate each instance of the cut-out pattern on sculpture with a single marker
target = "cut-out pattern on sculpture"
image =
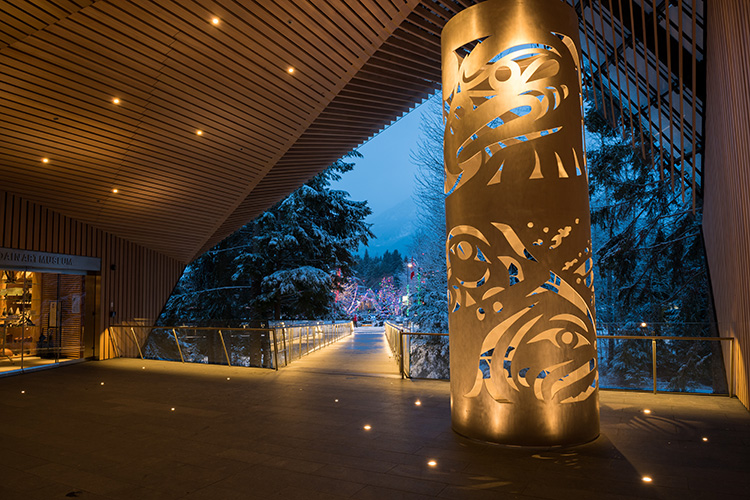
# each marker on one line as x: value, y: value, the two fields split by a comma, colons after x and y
x: 479, y: 129
x: 520, y: 278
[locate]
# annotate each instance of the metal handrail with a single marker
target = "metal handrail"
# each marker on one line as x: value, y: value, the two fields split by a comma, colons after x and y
x: 398, y: 349
x: 283, y: 339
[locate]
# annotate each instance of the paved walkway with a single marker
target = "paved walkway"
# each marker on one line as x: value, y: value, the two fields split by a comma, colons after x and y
x: 162, y: 430
x: 364, y: 353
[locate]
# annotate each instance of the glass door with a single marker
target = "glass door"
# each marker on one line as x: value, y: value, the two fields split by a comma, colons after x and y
x: 41, y: 318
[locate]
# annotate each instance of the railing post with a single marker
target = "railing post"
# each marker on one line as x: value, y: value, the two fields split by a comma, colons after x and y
x: 178, y: 345
x: 401, y: 353
x: 286, y: 347
x: 731, y: 367
x: 221, y: 336
x: 111, y: 339
x: 135, y: 339
x: 653, y: 361
x: 275, y: 349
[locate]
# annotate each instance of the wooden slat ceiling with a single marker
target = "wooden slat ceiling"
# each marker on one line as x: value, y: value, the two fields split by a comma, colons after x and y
x: 175, y: 72
x: 359, y: 65
x: 403, y: 72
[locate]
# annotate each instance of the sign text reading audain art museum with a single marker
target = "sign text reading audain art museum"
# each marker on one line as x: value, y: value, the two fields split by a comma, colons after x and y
x: 42, y: 260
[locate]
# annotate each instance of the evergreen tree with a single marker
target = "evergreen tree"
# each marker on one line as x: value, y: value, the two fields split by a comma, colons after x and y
x: 287, y: 263
x: 649, y: 261
x: 429, y: 308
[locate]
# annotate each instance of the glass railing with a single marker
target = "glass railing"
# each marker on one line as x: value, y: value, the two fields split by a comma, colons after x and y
x: 635, y: 361
x: 419, y: 354
x: 271, y: 347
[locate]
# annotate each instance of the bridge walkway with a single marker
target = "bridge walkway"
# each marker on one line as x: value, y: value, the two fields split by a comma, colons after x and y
x: 364, y: 353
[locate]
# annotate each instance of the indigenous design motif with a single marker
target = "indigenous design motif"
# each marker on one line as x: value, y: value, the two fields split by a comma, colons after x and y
x: 520, y: 278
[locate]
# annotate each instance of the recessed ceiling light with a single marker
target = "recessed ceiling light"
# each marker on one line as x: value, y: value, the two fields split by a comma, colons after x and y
x: 116, y: 100
x: 290, y: 70
x: 115, y: 191
x: 198, y: 132
x: 45, y: 160
x: 215, y: 21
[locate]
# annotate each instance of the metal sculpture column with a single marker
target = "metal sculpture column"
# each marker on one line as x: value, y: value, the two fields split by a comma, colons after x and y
x: 522, y: 335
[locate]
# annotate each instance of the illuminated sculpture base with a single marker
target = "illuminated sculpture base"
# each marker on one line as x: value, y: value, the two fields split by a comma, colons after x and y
x: 520, y: 270
x: 544, y: 425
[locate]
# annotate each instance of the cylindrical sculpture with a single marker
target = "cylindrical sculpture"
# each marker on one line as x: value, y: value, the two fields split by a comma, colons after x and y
x: 522, y: 335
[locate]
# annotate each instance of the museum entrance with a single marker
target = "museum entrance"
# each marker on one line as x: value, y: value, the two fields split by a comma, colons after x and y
x: 42, y: 318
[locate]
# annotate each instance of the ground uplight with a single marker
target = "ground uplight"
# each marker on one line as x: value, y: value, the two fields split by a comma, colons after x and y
x: 432, y: 463
x: 367, y: 427
x: 647, y: 479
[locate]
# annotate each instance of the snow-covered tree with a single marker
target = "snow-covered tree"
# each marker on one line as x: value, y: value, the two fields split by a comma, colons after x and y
x: 287, y: 263
x: 428, y: 288
x: 649, y: 260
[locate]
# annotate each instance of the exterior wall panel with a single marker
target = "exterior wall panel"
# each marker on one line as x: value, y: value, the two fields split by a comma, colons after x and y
x: 135, y: 281
x: 726, y: 222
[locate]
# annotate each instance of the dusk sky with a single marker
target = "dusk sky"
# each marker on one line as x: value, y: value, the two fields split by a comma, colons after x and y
x: 385, y: 176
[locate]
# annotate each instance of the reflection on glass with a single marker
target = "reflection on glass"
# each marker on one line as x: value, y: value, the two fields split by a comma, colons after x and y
x: 41, y: 318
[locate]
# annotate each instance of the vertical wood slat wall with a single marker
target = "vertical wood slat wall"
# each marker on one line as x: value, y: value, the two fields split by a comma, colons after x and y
x: 726, y: 221
x: 135, y: 281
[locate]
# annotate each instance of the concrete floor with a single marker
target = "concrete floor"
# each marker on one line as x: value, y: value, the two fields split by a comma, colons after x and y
x: 161, y: 430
